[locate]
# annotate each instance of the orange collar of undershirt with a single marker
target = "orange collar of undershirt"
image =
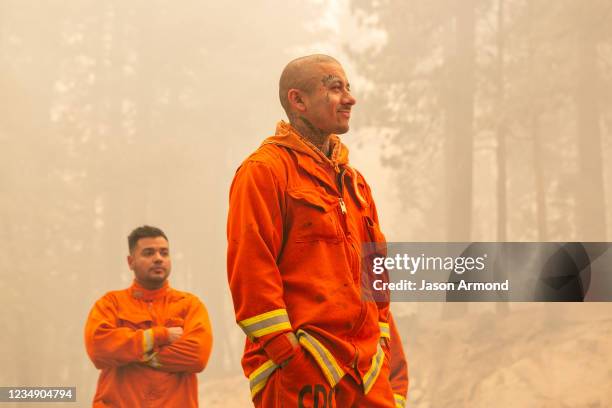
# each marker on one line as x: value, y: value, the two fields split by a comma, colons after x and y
x: 148, y: 295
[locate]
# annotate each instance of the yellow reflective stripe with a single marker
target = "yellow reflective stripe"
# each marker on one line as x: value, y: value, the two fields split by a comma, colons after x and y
x: 263, y: 316
x: 259, y: 377
x: 370, y: 377
x: 385, y: 331
x: 147, y: 341
x: 272, y: 329
x: 400, y: 401
x: 266, y: 323
x: 332, y: 371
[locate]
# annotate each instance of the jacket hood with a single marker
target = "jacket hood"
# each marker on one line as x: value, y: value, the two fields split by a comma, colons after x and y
x: 287, y: 136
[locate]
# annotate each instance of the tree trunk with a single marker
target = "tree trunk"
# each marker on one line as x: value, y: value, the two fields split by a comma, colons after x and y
x: 459, y: 122
x: 537, y: 154
x: 591, y: 202
x: 501, y: 307
x: 460, y: 112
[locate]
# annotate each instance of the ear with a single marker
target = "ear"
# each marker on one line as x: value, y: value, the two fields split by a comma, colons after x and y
x: 130, y: 259
x: 296, y: 100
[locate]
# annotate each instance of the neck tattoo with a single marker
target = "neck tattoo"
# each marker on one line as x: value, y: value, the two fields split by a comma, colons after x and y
x: 315, y: 136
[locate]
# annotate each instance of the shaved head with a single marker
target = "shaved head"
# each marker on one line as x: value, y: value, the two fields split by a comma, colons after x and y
x: 316, y: 96
x: 301, y: 73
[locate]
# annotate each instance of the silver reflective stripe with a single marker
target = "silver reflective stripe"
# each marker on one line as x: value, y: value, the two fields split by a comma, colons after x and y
x: 152, y: 361
x: 370, y: 377
x: 332, y: 371
x: 264, y: 324
x: 259, y: 377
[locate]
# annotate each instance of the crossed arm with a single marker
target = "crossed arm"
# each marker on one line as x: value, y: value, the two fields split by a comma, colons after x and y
x: 171, y: 349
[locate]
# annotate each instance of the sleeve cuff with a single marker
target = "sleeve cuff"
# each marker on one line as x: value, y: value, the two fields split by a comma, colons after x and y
x: 264, y: 324
x: 160, y: 335
x: 281, y: 347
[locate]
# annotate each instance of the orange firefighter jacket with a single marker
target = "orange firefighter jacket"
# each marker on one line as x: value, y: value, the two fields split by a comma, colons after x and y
x: 295, y: 227
x: 126, y: 338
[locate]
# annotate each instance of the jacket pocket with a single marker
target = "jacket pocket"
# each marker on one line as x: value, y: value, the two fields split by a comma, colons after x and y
x: 299, y: 373
x: 312, y: 216
x: 174, y: 322
x: 375, y: 246
x: 134, y: 321
x: 295, y: 366
x: 375, y: 237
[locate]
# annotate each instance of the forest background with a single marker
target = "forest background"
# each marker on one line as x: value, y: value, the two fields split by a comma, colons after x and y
x: 477, y: 120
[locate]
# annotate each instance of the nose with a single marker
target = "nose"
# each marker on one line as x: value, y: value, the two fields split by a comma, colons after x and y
x: 158, y: 257
x: 348, y: 99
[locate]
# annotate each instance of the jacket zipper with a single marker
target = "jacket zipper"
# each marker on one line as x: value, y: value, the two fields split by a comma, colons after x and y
x: 362, y: 312
x: 341, y: 188
x: 342, y: 205
x: 151, y: 312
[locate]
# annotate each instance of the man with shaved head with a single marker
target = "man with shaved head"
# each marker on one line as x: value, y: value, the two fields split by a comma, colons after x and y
x: 298, y: 216
x: 315, y: 94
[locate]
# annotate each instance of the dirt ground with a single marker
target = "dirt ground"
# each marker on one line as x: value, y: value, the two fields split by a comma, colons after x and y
x: 540, y: 355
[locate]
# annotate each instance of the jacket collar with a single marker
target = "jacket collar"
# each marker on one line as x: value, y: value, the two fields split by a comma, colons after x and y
x: 138, y: 292
x: 287, y: 136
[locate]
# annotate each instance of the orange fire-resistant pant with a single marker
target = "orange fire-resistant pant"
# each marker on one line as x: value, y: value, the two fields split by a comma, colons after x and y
x: 301, y: 384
